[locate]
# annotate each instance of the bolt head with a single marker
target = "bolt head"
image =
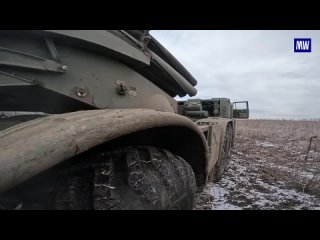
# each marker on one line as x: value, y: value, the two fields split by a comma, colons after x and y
x: 64, y: 68
x: 81, y: 92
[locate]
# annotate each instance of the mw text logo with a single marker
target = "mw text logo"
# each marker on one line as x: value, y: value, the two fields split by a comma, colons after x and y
x: 302, y: 45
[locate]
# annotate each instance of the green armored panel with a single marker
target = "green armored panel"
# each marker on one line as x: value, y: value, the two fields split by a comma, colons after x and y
x: 217, y: 107
x: 193, y: 105
x: 70, y: 70
x: 225, y: 106
x: 196, y: 114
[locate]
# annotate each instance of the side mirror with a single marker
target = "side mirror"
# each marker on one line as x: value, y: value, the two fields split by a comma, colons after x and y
x: 241, y: 109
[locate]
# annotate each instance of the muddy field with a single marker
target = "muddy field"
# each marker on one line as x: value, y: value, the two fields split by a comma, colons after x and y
x: 275, y: 164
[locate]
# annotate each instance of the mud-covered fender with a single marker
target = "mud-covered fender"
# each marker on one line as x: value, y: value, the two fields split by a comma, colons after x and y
x: 30, y: 148
x: 218, y: 127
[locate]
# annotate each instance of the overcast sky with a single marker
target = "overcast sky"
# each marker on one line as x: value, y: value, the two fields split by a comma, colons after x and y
x: 258, y: 66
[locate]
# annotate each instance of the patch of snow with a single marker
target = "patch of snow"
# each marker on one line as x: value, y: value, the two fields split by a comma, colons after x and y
x: 245, y: 187
x: 220, y: 200
x: 250, y: 183
x: 225, y: 206
x: 264, y: 144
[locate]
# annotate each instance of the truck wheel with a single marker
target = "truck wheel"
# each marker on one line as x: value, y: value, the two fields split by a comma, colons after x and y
x: 224, y: 160
x: 129, y: 178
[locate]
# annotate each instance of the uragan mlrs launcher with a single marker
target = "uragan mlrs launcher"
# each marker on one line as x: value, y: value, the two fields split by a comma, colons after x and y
x: 89, y: 121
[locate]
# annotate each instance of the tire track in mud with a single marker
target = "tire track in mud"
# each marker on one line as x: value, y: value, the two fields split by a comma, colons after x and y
x: 263, y: 175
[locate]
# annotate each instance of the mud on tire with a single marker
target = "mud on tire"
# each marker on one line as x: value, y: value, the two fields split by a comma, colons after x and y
x: 128, y: 178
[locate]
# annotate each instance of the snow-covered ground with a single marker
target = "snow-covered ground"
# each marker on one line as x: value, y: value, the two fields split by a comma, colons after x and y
x: 265, y: 175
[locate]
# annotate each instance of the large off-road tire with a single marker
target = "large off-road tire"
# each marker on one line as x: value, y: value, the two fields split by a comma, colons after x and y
x: 224, y: 160
x: 128, y: 178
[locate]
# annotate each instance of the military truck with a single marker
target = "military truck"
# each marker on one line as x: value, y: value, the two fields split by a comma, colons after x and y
x: 89, y: 121
x: 215, y: 108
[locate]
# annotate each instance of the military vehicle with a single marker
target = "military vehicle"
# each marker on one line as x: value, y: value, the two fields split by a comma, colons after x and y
x: 89, y: 121
x: 215, y: 108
